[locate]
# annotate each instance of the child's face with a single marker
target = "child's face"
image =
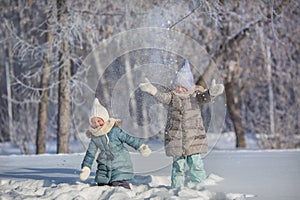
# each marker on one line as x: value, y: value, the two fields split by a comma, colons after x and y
x: 96, y: 122
x: 181, y: 89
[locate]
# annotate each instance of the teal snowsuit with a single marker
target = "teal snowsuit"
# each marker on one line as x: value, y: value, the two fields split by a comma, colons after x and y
x: 114, y: 162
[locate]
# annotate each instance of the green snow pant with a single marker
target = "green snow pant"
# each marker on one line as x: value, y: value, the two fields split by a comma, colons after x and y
x: 196, y: 170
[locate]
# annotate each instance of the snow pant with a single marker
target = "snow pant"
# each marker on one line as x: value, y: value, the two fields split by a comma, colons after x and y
x: 196, y: 170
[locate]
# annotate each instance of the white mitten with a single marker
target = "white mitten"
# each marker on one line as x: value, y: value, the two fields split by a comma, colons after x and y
x: 148, y: 87
x: 85, y: 173
x: 145, y: 150
x: 216, y: 89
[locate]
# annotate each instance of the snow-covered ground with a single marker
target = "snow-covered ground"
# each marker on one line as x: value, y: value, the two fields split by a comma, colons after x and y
x: 233, y: 174
x: 216, y: 141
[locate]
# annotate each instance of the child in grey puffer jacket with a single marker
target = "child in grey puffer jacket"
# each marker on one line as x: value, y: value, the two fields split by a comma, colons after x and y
x: 185, y: 137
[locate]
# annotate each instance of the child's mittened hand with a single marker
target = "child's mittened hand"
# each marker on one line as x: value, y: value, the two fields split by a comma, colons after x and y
x: 88, y: 134
x: 216, y: 89
x: 144, y: 150
x: 148, y: 87
x: 85, y: 173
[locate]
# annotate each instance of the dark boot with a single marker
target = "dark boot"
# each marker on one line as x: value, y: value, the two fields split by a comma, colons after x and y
x: 120, y: 184
x: 103, y: 184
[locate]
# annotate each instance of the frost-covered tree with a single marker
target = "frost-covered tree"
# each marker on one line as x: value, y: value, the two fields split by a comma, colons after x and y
x: 254, y: 44
x: 44, y: 49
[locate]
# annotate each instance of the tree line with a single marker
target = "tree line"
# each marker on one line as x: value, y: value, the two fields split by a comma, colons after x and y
x: 255, y: 45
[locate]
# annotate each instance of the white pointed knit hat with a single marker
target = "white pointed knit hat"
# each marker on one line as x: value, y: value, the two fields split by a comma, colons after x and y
x: 98, y: 111
x: 184, y: 76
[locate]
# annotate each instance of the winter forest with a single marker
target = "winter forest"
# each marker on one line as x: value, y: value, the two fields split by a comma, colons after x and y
x: 57, y: 55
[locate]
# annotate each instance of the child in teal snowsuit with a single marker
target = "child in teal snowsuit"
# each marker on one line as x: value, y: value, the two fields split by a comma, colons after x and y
x: 185, y: 137
x: 114, y: 163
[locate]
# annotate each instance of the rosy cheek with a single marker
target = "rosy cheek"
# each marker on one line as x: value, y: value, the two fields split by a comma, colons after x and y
x: 94, y: 125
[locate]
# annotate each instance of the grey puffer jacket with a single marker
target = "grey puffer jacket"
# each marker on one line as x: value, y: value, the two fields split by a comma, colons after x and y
x: 184, y: 133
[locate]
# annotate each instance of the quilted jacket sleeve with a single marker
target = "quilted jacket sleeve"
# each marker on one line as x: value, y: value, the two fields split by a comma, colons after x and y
x: 89, y: 155
x: 130, y: 140
x: 163, y: 97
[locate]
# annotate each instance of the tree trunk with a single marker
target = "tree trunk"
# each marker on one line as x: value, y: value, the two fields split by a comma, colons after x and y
x: 235, y: 114
x: 64, y: 83
x: 12, y: 134
x: 270, y: 90
x: 42, y: 113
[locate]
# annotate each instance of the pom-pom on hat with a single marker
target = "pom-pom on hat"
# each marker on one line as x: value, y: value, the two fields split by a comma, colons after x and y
x: 98, y: 111
x: 184, y: 76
